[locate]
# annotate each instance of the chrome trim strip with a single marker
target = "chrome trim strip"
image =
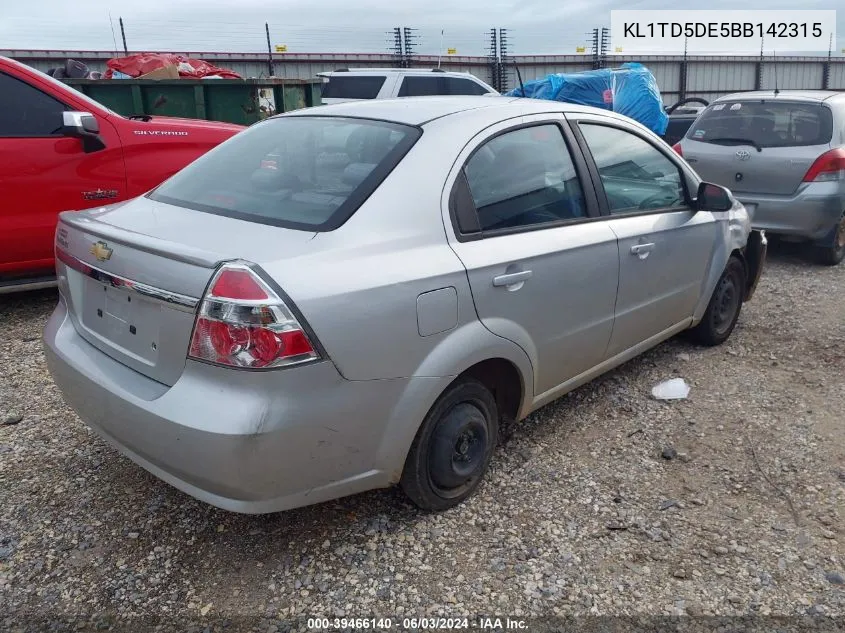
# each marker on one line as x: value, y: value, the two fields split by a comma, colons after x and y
x: 83, y: 221
x: 175, y: 300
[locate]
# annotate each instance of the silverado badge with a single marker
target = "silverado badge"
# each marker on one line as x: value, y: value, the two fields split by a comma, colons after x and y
x: 100, y: 194
x: 101, y: 251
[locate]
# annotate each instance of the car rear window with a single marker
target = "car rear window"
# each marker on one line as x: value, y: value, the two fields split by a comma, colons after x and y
x: 301, y: 172
x: 765, y: 123
x: 360, y: 87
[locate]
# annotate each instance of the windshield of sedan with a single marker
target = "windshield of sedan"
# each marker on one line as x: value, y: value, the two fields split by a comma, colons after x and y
x: 764, y: 124
x: 300, y: 172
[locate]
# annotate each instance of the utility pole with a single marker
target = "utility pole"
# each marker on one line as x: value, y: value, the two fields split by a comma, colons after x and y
x: 123, y: 35
x: 503, y: 55
x: 605, y: 42
x: 493, y: 58
x: 397, y: 49
x: 410, y: 39
x: 270, y: 67
x: 595, y: 48
x: 826, y: 70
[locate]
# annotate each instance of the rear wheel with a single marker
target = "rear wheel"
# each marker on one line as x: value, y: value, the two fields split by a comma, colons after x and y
x: 834, y: 253
x: 723, y: 310
x: 453, y: 447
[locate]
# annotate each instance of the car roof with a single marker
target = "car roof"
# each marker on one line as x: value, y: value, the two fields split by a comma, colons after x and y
x: 422, y: 110
x: 792, y: 95
x: 381, y: 71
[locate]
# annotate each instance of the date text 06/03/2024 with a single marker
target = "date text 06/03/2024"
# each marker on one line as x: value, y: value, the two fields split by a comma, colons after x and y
x: 416, y: 624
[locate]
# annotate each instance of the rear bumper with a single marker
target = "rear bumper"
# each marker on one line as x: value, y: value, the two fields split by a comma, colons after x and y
x: 249, y: 442
x: 809, y: 214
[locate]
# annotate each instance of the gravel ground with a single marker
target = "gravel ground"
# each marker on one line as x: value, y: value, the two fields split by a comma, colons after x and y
x: 605, y: 503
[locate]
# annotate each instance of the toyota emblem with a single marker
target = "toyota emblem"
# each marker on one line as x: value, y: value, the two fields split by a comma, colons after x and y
x: 743, y: 154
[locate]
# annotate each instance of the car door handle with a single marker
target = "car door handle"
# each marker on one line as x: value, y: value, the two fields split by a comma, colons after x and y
x: 642, y: 250
x: 510, y: 279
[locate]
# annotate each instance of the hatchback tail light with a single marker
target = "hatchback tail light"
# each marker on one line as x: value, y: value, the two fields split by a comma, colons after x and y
x: 829, y: 166
x: 678, y: 149
x: 243, y: 323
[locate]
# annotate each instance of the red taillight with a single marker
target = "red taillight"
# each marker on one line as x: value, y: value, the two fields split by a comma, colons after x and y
x: 678, y: 149
x: 243, y: 323
x: 268, y: 345
x: 238, y: 284
x: 828, y: 166
x: 226, y: 339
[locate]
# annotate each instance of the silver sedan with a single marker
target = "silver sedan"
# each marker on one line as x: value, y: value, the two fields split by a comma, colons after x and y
x: 354, y: 296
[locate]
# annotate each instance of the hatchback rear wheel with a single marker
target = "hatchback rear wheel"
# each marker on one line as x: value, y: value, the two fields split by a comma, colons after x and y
x: 725, y: 305
x: 453, y: 447
x: 834, y: 253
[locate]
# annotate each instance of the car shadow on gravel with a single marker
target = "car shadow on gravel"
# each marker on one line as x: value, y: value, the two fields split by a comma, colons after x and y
x: 783, y: 252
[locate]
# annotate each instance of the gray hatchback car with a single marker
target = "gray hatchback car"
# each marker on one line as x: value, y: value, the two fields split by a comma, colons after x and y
x: 783, y: 155
x: 349, y: 297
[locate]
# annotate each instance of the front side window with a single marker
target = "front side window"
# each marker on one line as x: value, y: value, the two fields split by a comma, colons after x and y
x: 360, y: 87
x: 27, y: 112
x: 636, y: 176
x: 523, y: 178
x: 764, y: 124
x: 301, y: 172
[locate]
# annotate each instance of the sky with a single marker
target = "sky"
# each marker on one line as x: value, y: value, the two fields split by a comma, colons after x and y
x: 325, y: 26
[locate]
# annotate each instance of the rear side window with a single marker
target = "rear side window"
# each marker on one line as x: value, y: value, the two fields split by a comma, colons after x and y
x: 458, y: 86
x: 26, y: 112
x: 524, y: 178
x: 360, y: 87
x: 766, y: 124
x: 434, y: 85
x: 303, y: 172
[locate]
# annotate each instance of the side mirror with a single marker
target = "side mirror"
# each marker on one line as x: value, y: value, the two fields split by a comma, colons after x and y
x: 83, y: 125
x: 713, y: 198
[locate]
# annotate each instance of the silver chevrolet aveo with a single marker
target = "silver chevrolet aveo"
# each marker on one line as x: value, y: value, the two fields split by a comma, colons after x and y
x: 348, y: 297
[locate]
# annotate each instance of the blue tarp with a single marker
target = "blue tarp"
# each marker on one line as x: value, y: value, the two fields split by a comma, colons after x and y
x: 630, y: 90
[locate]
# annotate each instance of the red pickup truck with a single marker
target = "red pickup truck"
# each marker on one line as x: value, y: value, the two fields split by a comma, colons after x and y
x: 60, y: 150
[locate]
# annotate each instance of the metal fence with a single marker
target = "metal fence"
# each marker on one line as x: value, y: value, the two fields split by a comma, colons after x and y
x: 678, y: 77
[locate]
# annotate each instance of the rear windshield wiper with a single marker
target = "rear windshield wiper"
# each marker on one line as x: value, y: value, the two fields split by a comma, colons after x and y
x: 740, y: 141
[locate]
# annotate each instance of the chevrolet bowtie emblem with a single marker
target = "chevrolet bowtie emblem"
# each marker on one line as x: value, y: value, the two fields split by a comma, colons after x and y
x: 101, y: 251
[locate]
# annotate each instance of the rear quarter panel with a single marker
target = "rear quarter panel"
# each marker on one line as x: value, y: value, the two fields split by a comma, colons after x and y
x: 359, y: 287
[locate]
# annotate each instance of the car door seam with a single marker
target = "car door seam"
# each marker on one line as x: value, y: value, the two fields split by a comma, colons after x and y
x: 618, y: 285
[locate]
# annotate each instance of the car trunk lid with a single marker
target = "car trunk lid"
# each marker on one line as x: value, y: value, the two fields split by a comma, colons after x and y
x: 743, y: 169
x: 761, y: 146
x: 134, y: 274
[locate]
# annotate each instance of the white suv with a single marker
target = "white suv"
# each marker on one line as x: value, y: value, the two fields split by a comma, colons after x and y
x: 385, y: 83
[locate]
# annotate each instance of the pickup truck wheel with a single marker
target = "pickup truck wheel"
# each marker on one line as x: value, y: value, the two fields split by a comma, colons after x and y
x: 834, y: 253
x: 725, y: 305
x: 453, y: 447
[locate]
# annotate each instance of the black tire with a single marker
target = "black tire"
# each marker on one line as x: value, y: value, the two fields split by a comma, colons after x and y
x: 834, y: 253
x: 725, y: 305
x: 452, y: 449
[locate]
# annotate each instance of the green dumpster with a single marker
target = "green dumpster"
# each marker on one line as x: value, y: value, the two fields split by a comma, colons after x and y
x: 242, y: 101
